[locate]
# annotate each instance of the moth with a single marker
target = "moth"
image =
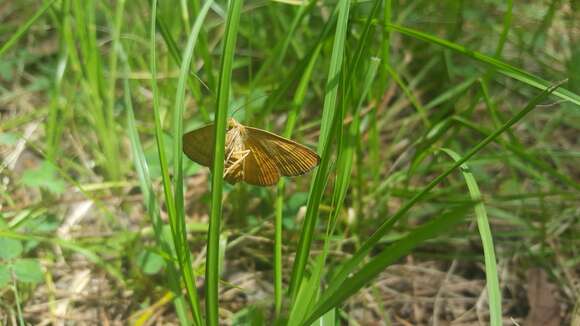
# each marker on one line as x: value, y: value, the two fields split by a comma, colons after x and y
x: 252, y: 155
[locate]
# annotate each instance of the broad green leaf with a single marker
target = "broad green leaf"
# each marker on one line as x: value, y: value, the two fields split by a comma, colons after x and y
x: 28, y: 270
x: 10, y: 248
x: 150, y: 262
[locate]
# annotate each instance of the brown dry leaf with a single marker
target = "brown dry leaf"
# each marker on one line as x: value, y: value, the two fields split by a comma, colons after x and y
x: 544, y: 307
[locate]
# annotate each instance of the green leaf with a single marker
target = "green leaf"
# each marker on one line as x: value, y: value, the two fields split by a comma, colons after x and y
x: 28, y: 270
x: 10, y: 248
x: 150, y: 262
x: 44, y: 176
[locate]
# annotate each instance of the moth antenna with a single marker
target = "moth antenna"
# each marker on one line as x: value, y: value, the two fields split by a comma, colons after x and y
x: 236, y: 110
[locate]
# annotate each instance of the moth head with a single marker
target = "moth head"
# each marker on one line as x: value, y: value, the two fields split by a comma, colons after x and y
x: 232, y: 123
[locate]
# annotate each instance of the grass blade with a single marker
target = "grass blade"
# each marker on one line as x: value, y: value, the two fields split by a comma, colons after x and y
x: 223, y: 96
x: 491, y: 273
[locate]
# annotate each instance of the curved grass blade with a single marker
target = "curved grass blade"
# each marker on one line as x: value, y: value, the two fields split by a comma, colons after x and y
x: 174, y: 52
x: 491, y: 273
x: 282, y: 89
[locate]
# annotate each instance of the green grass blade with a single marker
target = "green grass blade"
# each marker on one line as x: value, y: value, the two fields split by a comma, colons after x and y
x: 85, y: 29
x: 167, y: 188
x: 350, y: 265
x: 278, y: 220
x: 347, y: 148
x: 56, y: 115
x: 280, y: 51
x: 328, y: 123
x: 14, y: 288
x: 330, y: 99
x: 451, y: 93
x: 22, y: 30
x: 110, y: 96
x: 183, y: 252
x: 491, y: 273
x: 223, y: 97
x: 501, y: 66
x: 507, y: 23
x: 204, y: 51
x: 310, y: 285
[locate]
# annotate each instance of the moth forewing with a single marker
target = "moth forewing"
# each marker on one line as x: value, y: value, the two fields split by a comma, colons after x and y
x: 198, y: 145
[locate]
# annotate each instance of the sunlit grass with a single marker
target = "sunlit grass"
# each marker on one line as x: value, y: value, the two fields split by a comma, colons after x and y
x: 427, y: 121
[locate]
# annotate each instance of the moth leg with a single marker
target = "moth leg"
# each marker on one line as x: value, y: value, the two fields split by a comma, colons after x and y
x: 229, y: 150
x: 241, y: 155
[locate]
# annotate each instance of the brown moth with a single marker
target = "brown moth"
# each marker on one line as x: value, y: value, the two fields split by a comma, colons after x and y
x: 252, y: 155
